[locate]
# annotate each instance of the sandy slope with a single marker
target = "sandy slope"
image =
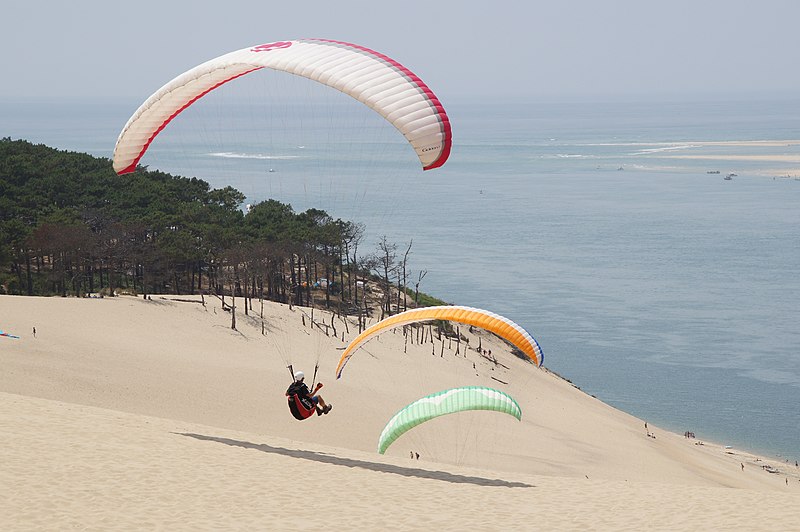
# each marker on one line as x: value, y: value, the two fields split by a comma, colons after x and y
x: 129, y: 413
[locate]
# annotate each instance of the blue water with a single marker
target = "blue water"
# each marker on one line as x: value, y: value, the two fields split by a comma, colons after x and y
x: 662, y: 289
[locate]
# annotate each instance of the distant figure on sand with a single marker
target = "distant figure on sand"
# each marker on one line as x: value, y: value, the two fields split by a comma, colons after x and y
x: 34, y: 332
x: 299, y: 388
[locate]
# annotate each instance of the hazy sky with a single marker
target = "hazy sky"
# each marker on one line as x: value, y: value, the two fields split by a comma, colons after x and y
x: 126, y: 50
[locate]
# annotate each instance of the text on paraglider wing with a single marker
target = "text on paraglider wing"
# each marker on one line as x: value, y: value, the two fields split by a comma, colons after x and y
x: 271, y: 46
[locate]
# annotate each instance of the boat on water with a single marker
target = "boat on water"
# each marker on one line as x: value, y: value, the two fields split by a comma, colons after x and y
x: 729, y: 177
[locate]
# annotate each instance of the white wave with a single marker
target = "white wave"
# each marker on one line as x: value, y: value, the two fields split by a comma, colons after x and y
x: 234, y: 155
x: 562, y: 156
x: 773, y: 376
x: 667, y: 148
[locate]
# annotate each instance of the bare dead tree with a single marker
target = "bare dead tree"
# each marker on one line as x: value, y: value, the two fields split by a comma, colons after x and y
x: 233, y: 305
x: 369, y: 263
x: 351, y: 236
x: 421, y: 276
x: 385, y: 268
x: 402, y: 279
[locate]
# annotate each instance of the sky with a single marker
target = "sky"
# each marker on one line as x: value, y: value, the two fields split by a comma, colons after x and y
x: 100, y: 49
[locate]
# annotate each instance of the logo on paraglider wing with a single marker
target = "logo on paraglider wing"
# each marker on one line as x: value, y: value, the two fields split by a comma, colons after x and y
x: 271, y: 46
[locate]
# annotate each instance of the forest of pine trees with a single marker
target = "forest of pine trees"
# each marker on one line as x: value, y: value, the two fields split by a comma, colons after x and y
x: 70, y: 226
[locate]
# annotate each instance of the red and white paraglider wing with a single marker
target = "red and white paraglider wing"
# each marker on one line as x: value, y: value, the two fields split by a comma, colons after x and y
x: 379, y: 82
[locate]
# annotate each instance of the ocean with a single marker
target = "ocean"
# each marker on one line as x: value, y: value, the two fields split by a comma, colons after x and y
x: 606, y: 229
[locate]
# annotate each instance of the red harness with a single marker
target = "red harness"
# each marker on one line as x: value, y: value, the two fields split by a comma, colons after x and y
x: 301, y: 408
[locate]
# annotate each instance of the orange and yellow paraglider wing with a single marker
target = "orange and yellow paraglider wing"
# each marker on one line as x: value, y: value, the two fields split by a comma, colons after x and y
x: 483, y: 319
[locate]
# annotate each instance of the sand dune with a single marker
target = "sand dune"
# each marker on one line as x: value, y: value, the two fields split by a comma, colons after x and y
x: 123, y: 413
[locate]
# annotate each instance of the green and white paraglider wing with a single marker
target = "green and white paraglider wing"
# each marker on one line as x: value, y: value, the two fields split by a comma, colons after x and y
x: 443, y: 403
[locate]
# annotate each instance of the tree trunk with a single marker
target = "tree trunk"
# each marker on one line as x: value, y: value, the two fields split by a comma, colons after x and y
x: 341, y: 283
x: 309, y: 300
x: 328, y: 287
x: 245, y: 294
x: 261, y: 296
x: 402, y: 285
x: 28, y: 274
x: 144, y: 284
x: 233, y: 305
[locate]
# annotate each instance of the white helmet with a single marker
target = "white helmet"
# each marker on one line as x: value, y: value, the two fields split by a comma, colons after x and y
x: 299, y: 375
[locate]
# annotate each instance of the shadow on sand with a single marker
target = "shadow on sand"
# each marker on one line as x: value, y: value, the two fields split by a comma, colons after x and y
x: 350, y: 462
